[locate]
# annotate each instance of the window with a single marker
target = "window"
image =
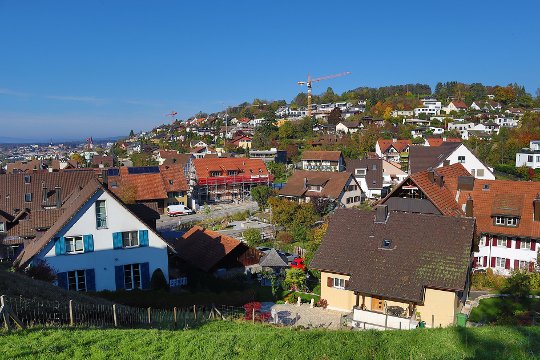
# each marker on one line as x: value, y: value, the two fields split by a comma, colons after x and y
x: 132, y: 276
x: 525, y: 244
x: 114, y: 184
x: 461, y: 159
x: 386, y: 243
x: 500, y: 262
x: 356, y: 198
x: 27, y: 179
x: 530, y: 158
x: 537, y: 158
x: 28, y: 197
x: 74, y: 244
x: 351, y: 188
x: 501, y: 241
x: 2, y: 226
x: 523, y: 265
x: 315, y: 188
x: 485, y: 187
x: 512, y: 221
x: 77, y: 280
x: 480, y: 172
x: 506, y: 221
x: 499, y: 220
x: 215, y: 173
x: 231, y: 173
x: 101, y: 214
x: 339, y: 283
x: 360, y: 172
x: 130, y: 239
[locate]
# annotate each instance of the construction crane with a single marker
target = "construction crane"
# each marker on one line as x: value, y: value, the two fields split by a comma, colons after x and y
x: 310, y: 80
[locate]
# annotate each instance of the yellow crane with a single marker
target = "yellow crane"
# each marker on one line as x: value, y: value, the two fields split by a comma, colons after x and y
x: 310, y: 80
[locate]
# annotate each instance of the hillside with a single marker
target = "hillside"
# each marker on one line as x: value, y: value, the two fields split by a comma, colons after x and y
x: 230, y: 340
x: 15, y: 284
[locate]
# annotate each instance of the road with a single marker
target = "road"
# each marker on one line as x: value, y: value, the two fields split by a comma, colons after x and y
x: 167, y: 223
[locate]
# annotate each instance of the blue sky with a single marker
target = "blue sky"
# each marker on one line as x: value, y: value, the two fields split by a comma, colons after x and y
x: 73, y: 69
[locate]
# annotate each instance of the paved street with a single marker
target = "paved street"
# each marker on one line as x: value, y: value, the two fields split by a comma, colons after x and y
x: 167, y: 223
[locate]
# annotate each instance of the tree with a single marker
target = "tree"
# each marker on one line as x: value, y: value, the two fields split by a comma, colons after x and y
x: 295, y: 279
x: 131, y: 134
x: 78, y: 158
x: 142, y: 159
x: 158, y: 281
x: 518, y: 284
x: 278, y: 170
x: 252, y: 237
x: 329, y: 96
x: 261, y: 194
x: 334, y: 117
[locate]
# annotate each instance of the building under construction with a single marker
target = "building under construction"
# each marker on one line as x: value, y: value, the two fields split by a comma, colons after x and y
x: 214, y: 180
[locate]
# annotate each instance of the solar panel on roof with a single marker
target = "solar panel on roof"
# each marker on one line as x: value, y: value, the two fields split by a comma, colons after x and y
x: 144, y: 170
x: 113, y: 172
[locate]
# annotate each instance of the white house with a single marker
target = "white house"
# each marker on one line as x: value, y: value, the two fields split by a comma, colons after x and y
x: 430, y: 107
x: 98, y: 244
x: 349, y: 127
x: 529, y: 157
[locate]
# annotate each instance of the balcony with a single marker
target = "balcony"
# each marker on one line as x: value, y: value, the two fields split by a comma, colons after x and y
x: 366, y: 319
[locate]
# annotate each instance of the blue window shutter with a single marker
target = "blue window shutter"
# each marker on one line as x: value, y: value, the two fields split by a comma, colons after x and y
x: 119, y: 277
x: 62, y: 278
x: 90, y: 280
x: 117, y: 240
x: 143, y: 237
x: 60, y: 246
x: 145, y: 275
x: 88, y: 243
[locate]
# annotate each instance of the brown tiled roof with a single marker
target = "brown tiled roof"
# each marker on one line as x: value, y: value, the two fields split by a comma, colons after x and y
x: 150, y: 186
x: 204, y: 248
x: 459, y: 104
x: 416, y: 259
x: 176, y: 159
x: 26, y: 166
x: 504, y: 197
x: 441, y: 196
x: 245, y: 166
x: 399, y: 145
x: 424, y: 157
x: 102, y: 160
x: 374, y: 170
x: 321, y: 155
x: 333, y: 184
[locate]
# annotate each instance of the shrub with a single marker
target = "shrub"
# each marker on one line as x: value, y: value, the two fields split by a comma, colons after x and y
x: 295, y: 279
x: 41, y: 271
x: 285, y: 238
x: 322, y: 303
x: 158, y: 281
x: 518, y: 284
x: 252, y: 237
x: 292, y: 298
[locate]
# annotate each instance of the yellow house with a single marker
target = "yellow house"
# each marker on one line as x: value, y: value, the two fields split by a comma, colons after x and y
x: 394, y: 270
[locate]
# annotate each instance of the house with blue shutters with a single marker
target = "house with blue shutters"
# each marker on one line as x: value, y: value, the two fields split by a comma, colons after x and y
x: 98, y: 244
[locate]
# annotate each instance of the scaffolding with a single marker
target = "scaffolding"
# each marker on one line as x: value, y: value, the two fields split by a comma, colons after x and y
x: 229, y: 188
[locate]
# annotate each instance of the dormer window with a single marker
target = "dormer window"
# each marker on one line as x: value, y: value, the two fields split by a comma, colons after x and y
x: 360, y: 172
x: 317, y: 188
x: 512, y: 221
x: 28, y: 197
x: 27, y: 179
x: 171, y: 182
x: 485, y: 187
x: 386, y: 244
x: 215, y: 173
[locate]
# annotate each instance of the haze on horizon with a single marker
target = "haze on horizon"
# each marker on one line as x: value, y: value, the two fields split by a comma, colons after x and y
x: 72, y: 70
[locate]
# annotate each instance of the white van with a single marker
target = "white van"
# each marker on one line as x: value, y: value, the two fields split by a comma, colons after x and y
x: 177, y: 210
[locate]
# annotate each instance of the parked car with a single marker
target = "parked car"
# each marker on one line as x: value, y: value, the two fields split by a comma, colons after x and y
x: 177, y: 210
x: 290, y: 257
x: 298, y: 263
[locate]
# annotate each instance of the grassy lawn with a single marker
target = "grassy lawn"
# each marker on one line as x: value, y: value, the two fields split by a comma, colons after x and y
x: 504, y: 310
x: 231, y: 340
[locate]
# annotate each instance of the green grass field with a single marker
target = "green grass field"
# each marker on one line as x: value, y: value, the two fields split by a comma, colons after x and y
x: 503, y: 310
x: 231, y: 340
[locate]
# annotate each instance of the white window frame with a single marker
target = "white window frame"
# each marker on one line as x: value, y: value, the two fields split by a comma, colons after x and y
x: 500, y: 220
x: 2, y: 226
x: 480, y: 172
x: 512, y: 221
x: 499, y: 261
x: 523, y: 265
x: 339, y: 283
x: 501, y: 241
x: 73, y: 241
x: 103, y: 219
x: 461, y: 159
x: 525, y: 244
x: 317, y: 188
x: 132, y: 239
x: 77, y: 274
x: 360, y: 172
x: 28, y: 197
x: 132, y: 270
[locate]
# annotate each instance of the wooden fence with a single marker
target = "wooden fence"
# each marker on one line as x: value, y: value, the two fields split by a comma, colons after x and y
x: 24, y: 312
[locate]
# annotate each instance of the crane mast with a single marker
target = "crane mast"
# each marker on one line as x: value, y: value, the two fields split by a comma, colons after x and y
x: 309, y: 82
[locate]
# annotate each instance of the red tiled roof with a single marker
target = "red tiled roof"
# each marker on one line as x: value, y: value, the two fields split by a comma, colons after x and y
x: 459, y: 104
x: 244, y: 166
x: 399, y: 145
x: 440, y: 141
x: 204, y: 248
x: 321, y: 155
x: 503, y: 197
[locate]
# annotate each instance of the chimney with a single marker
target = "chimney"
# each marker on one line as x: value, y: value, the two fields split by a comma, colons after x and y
x: 58, y: 192
x: 440, y: 180
x: 431, y: 175
x: 104, y: 178
x: 394, y: 140
x: 44, y: 192
x: 469, y: 207
x: 536, y: 204
x: 446, y: 162
x: 305, y: 183
x: 381, y: 213
x: 444, y: 139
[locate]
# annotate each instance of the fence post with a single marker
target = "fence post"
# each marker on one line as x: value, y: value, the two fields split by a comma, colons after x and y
x: 149, y: 315
x: 432, y: 321
x: 71, y: 318
x: 253, y: 314
x: 114, y: 315
x: 195, y: 312
x: 5, y: 313
x: 386, y: 322
x: 174, y: 316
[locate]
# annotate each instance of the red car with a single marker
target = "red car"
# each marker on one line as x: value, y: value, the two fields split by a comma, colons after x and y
x: 298, y: 263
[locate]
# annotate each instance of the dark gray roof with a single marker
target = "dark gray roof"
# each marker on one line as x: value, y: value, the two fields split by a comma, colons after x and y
x: 273, y: 259
x: 425, y: 251
x: 422, y: 158
x: 374, y: 170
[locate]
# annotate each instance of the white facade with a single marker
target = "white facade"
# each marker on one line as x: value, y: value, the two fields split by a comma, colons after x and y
x: 105, y: 260
x: 470, y: 162
x: 494, y: 252
x: 430, y: 107
x: 341, y: 127
x: 529, y: 157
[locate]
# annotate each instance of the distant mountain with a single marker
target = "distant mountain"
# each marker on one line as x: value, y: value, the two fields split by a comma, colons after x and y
x: 12, y: 140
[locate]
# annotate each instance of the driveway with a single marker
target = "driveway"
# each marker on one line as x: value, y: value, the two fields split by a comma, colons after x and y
x: 303, y: 315
x: 166, y: 223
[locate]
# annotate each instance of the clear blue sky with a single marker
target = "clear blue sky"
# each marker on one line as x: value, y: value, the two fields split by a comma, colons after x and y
x: 73, y: 69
